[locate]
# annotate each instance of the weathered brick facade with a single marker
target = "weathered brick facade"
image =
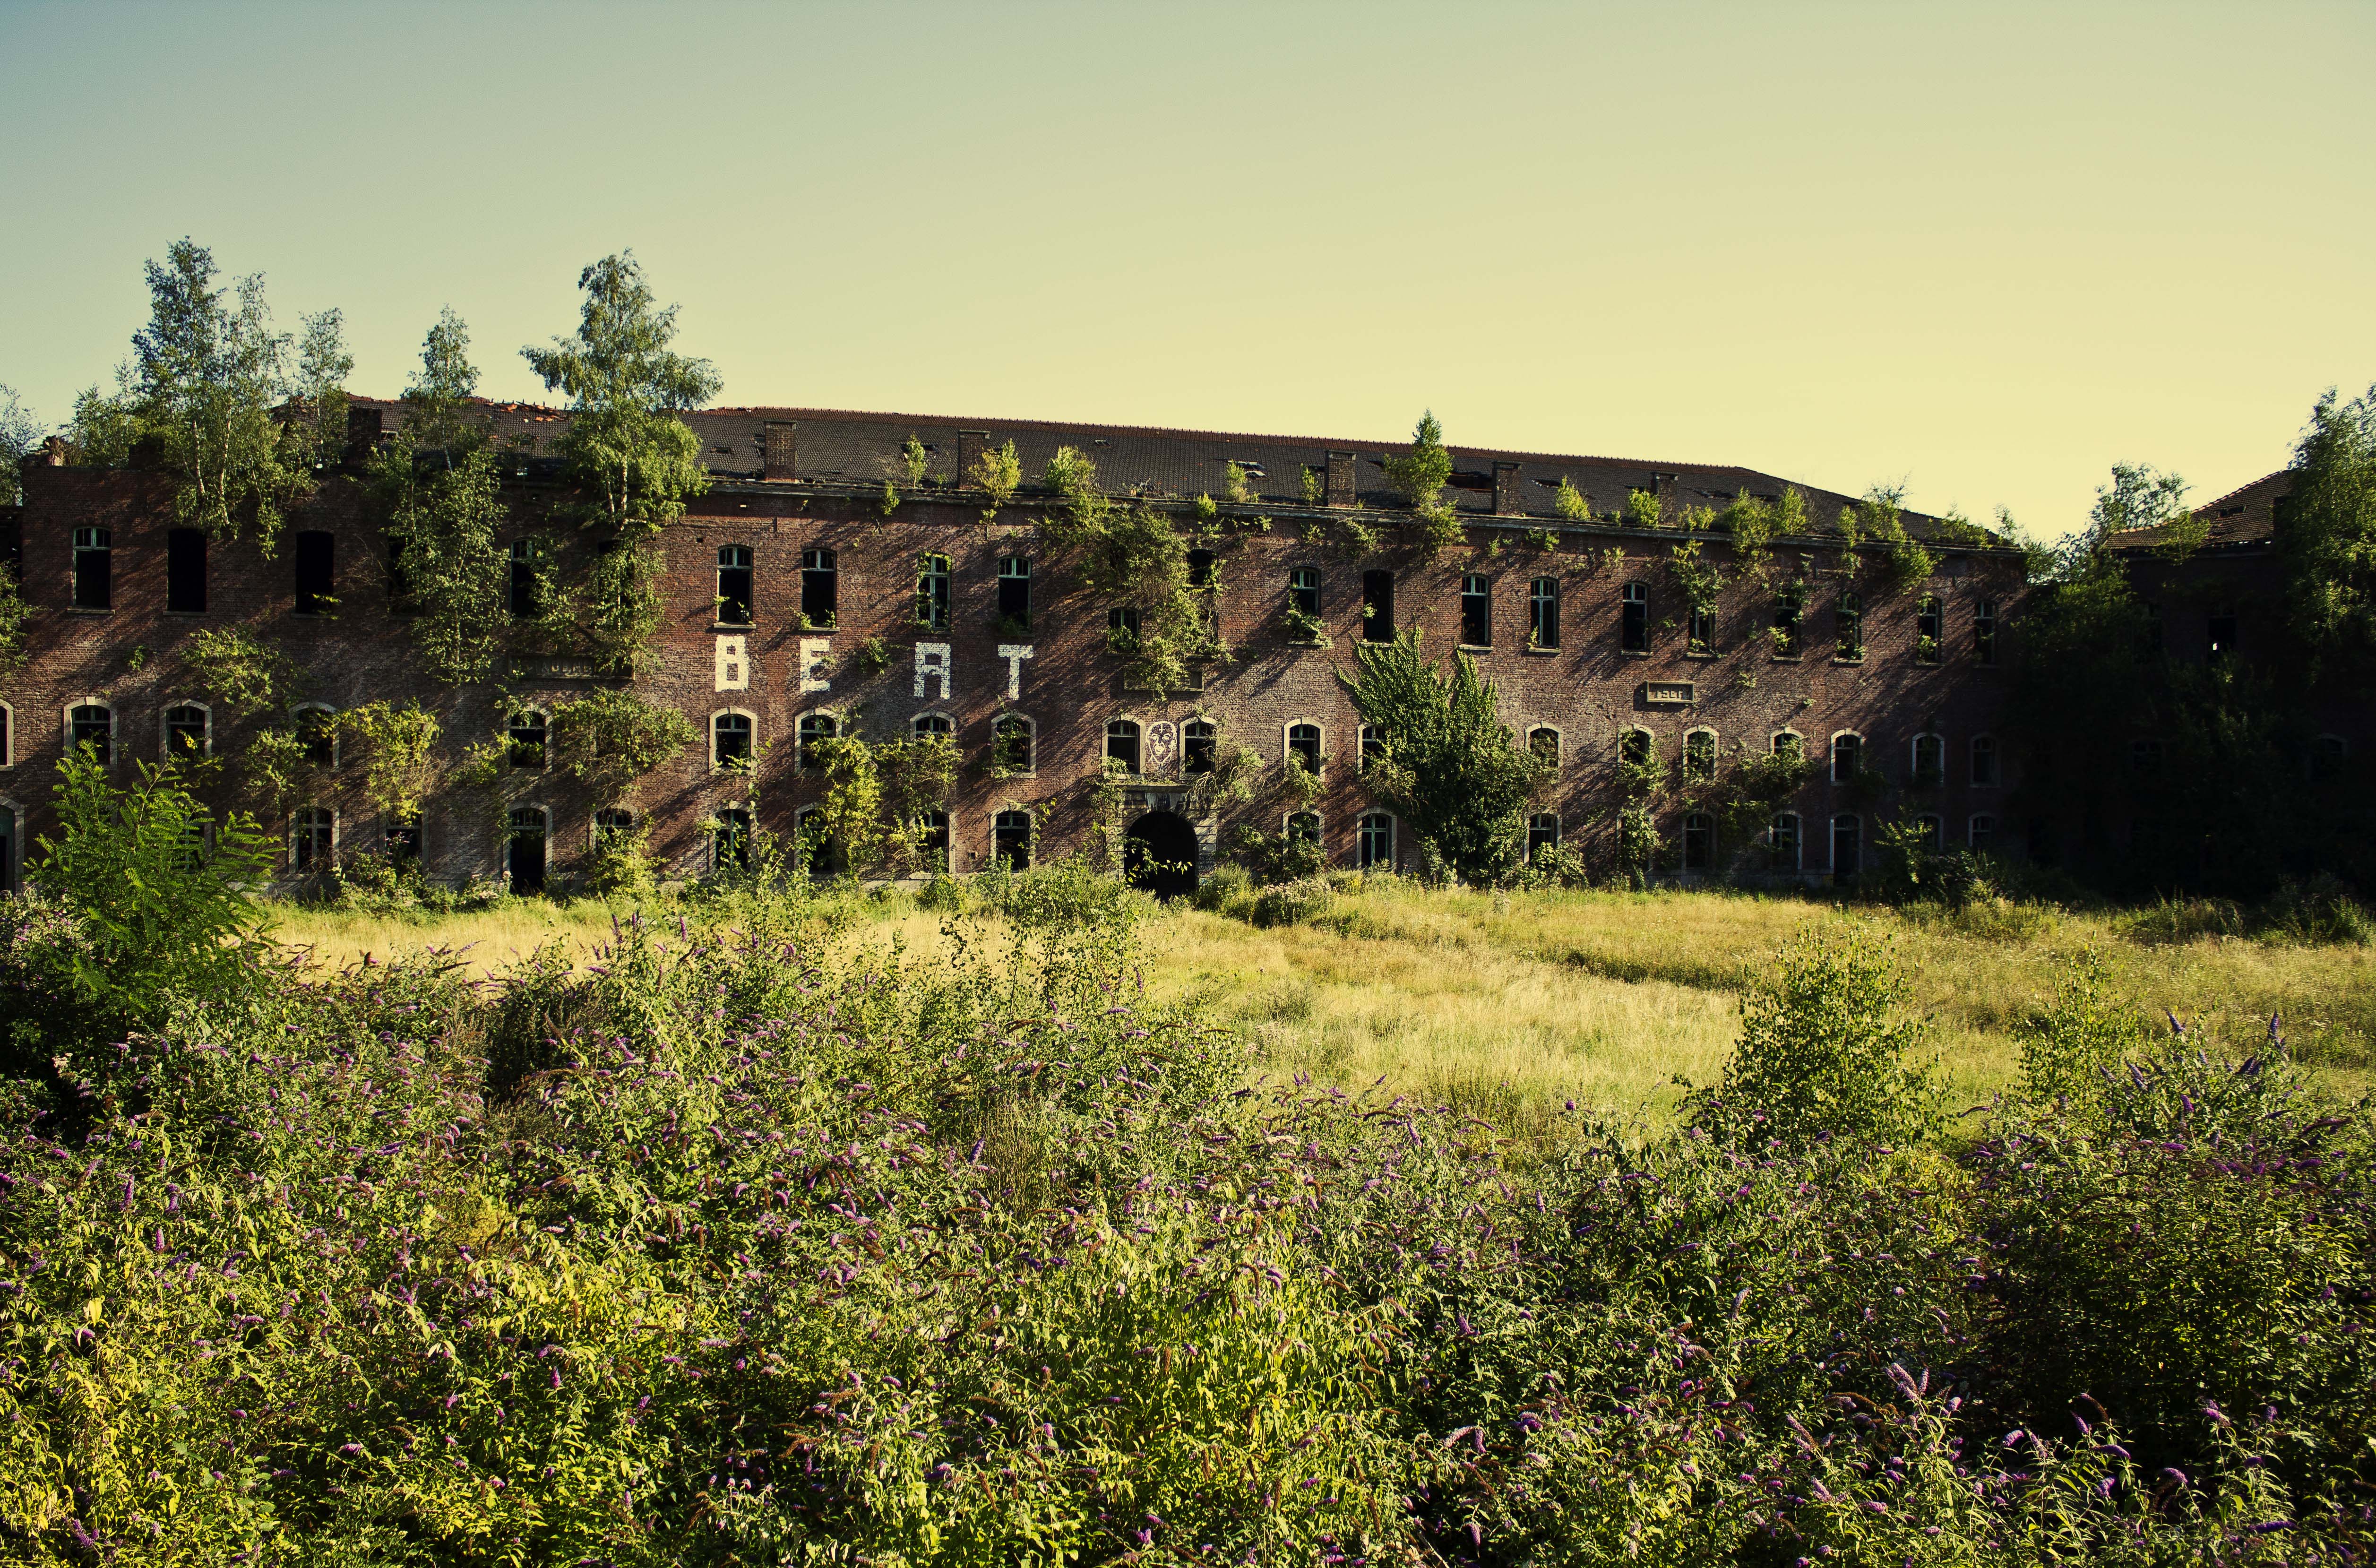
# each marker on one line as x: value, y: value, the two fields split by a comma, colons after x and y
x: 788, y: 481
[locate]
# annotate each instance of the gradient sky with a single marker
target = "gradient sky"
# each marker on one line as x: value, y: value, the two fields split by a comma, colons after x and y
x: 1985, y: 249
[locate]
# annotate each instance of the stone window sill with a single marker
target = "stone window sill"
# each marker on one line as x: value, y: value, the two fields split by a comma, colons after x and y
x: 1476, y: 647
x: 1544, y: 652
x: 1701, y: 657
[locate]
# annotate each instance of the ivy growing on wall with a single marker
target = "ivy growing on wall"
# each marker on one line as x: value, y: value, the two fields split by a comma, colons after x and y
x: 610, y: 738
x: 394, y: 742
x: 1130, y: 553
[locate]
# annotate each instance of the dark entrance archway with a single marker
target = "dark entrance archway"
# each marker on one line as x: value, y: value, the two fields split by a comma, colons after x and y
x: 1160, y: 855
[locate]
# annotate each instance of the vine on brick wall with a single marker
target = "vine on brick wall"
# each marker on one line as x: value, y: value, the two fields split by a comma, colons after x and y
x: 610, y: 738
x: 1131, y: 553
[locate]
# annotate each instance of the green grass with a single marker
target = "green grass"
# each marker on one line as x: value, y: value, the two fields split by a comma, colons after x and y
x: 1511, y: 1003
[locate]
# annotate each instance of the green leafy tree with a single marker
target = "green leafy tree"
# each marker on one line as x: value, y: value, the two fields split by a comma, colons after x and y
x: 395, y: 742
x: 20, y: 435
x: 1879, y: 517
x: 1451, y: 768
x: 240, y: 670
x: 206, y: 383
x: 439, y: 488
x: 610, y: 738
x: 162, y: 893
x: 2328, y: 538
x: 635, y: 462
x: 1420, y: 475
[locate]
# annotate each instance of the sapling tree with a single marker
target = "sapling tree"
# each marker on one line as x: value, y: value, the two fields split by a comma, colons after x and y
x: 2328, y: 536
x: 1450, y: 767
x: 440, y: 491
x: 1420, y: 475
x: 21, y: 433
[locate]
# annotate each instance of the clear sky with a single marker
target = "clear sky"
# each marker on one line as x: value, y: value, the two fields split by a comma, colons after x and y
x: 1988, y: 249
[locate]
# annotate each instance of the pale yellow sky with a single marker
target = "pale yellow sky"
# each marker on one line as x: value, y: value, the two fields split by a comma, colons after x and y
x: 1987, y: 250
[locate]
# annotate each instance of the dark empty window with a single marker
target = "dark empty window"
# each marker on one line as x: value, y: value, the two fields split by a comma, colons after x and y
x: 1929, y: 761
x: 1377, y: 846
x: 527, y: 579
x: 1122, y: 626
x: 1015, y: 593
x: 1848, y: 757
x: 1542, y: 833
x: 1377, y: 607
x: 1984, y: 760
x: 1699, y: 755
x: 1010, y: 743
x: 1304, y: 827
x: 94, y: 569
x: 1304, y: 746
x: 2144, y: 757
x: 931, y: 725
x: 186, y: 571
x: 932, y: 839
x: 1303, y: 594
x: 1699, y: 841
x: 527, y: 740
x: 1010, y: 840
x: 1786, y: 611
x: 1122, y: 744
x: 734, y: 584
x: 1782, y: 841
x: 1634, y: 748
x: 1930, y: 628
x: 1542, y: 613
x: 317, y: 736
x: 313, y: 833
x: 185, y: 733
x: 1200, y: 569
x: 1199, y: 743
x: 820, y: 589
x: 729, y: 840
x: 1476, y: 612
x: 1984, y: 632
x: 729, y: 741
x: 316, y: 561
x: 1847, y: 843
x: 1848, y: 622
x: 1980, y: 832
x: 2222, y: 638
x: 933, y: 593
x: 1636, y: 630
x: 95, y: 727
x: 1700, y: 635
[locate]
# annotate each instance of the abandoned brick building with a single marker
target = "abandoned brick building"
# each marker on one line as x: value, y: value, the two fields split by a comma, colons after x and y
x: 798, y: 607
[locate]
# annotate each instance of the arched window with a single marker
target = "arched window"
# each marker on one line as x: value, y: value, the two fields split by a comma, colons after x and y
x: 94, y: 569
x: 933, y: 593
x: 313, y: 838
x: 1634, y: 748
x: 1929, y: 761
x: 1782, y: 841
x: 1636, y: 628
x: 816, y: 845
x: 1304, y: 827
x: 1476, y: 612
x: 1984, y: 760
x: 1699, y: 841
x: 1788, y: 743
x: 1984, y: 632
x: 527, y: 579
x: 1543, y: 612
x: 1373, y: 746
x: 1848, y: 622
x: 1377, y: 842
x: 1929, y: 630
x: 189, y: 731
x: 1980, y: 832
x: 1303, y: 747
x: 932, y: 841
x: 1699, y: 755
x: 1199, y: 746
x: 525, y: 849
x: 317, y: 736
x: 1848, y: 756
x: 734, y: 584
x: 729, y: 840
x: 1931, y: 830
x: 614, y: 827
x: 1122, y: 744
x: 1015, y: 594
x: 1012, y: 743
x: 526, y: 739
x: 1542, y: 833
x: 1543, y: 745
x: 1010, y: 840
x: 820, y: 589
x: 1848, y: 837
x: 316, y: 556
x: 814, y: 729
x: 731, y: 741
x: 93, y: 725
x: 927, y: 725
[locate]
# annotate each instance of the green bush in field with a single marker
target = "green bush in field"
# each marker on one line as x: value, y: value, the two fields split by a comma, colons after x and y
x: 742, y: 1243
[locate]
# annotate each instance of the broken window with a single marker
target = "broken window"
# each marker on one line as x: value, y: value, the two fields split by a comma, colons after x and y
x: 729, y: 840
x: 317, y: 737
x: 185, y: 733
x: 313, y: 838
x: 1377, y: 607
x: 1304, y: 746
x: 1476, y: 612
x: 1782, y: 841
x: 94, y: 569
x: 1011, y: 737
x: 1847, y: 623
x: 1303, y: 592
x: 1930, y: 629
x: 1699, y: 637
x: 1122, y: 744
x: 1543, y: 745
x: 734, y: 584
x: 1699, y: 841
x: 1635, y: 631
x: 1984, y: 760
x: 1542, y: 833
x: 1787, y: 604
x: 528, y: 740
x: 315, y: 557
x: 933, y: 593
x: 820, y: 589
x: 1010, y: 840
x: 186, y: 571
x: 1304, y: 827
x: 1199, y: 742
x: 1929, y: 761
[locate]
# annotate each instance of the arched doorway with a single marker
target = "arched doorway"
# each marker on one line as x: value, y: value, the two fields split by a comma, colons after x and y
x: 526, y: 852
x: 1160, y: 855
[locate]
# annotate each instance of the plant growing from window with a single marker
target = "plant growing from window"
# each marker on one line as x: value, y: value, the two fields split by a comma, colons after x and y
x: 915, y: 463
x: 874, y: 656
x: 633, y: 460
x: 1315, y: 487
x: 1132, y: 553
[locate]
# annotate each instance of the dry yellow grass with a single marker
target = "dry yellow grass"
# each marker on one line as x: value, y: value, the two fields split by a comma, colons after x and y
x: 1512, y: 1004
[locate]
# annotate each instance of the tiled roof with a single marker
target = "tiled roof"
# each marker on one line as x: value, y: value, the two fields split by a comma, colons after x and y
x: 2246, y: 514
x: 839, y: 446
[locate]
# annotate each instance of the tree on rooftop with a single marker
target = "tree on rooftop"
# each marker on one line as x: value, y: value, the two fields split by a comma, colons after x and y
x: 626, y: 448
x: 2327, y: 537
x: 440, y: 493
x: 21, y: 433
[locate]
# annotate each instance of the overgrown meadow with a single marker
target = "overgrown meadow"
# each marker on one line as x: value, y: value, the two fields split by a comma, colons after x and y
x: 748, y: 1243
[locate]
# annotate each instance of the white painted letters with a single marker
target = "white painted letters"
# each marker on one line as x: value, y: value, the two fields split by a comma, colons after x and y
x: 1014, y: 654
x: 733, y: 665
x: 933, y: 664
x: 815, y: 660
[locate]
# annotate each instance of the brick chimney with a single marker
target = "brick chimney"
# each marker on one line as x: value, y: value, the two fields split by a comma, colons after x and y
x: 1507, y: 502
x: 363, y: 433
x: 1341, y: 489
x: 971, y: 445
x: 779, y: 457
